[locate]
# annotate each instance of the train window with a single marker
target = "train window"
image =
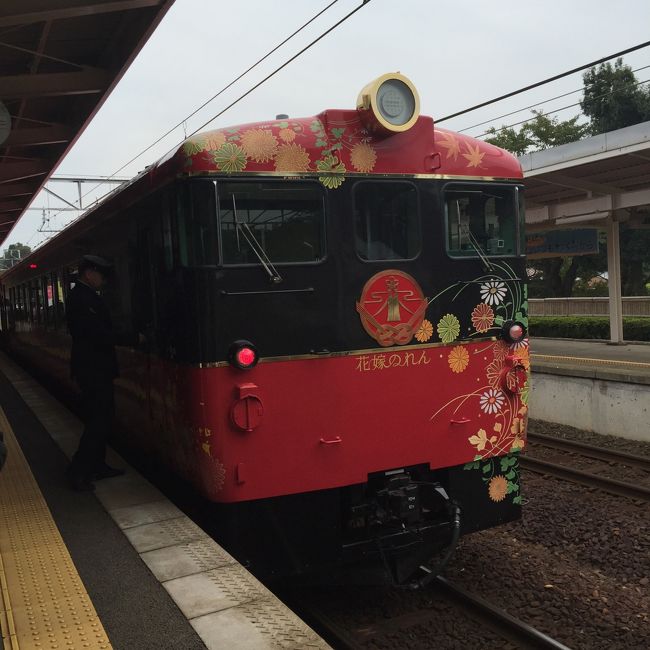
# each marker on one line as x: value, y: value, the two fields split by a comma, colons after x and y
x: 203, y: 225
x: 281, y: 222
x: 481, y: 220
x: 387, y: 223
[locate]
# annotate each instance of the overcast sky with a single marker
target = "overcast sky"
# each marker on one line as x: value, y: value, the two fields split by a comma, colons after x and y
x: 456, y: 53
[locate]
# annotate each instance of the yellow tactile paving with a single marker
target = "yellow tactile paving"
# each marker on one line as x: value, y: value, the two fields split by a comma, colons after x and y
x: 43, y: 603
x: 590, y: 362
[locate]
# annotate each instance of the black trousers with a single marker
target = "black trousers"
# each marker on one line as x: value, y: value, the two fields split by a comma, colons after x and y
x: 98, y: 407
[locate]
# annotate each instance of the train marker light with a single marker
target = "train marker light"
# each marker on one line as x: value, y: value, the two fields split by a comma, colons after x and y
x: 513, y: 331
x: 390, y: 103
x: 33, y: 266
x: 243, y: 355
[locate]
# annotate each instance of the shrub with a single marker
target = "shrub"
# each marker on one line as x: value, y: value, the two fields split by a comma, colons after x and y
x: 588, y: 327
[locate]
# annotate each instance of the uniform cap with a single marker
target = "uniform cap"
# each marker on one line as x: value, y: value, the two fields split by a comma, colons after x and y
x: 94, y: 262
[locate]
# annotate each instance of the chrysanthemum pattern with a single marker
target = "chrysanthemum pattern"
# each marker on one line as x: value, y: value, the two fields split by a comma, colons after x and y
x: 458, y: 359
x: 292, y: 158
x: 214, y: 140
x: 493, y: 292
x: 448, y: 328
x: 259, y: 144
x: 363, y: 157
x: 425, y: 331
x: 498, y: 488
x: 230, y: 158
x: 332, y: 165
x: 482, y: 317
x: 492, y: 401
x: 287, y: 135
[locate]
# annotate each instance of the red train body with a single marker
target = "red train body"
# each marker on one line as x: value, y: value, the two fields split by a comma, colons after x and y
x: 376, y: 269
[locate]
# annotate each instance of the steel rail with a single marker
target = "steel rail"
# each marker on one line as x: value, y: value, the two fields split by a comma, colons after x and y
x: 612, y: 486
x: 600, y: 453
x: 516, y: 630
x: 497, y: 619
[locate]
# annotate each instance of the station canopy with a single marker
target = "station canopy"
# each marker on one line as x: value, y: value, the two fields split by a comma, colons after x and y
x: 587, y: 182
x: 59, y: 61
x: 600, y: 182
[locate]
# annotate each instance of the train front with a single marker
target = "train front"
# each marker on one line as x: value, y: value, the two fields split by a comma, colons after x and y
x: 355, y: 288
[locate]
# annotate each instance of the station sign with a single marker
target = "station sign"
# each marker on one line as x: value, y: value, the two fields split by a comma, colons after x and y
x: 562, y: 243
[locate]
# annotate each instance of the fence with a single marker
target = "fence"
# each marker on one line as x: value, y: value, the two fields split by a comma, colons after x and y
x: 632, y: 306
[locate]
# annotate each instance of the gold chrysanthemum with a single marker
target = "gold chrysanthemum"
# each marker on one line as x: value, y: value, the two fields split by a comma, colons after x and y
x: 425, y: 331
x: 212, y: 141
x: 258, y: 144
x: 291, y: 158
x: 230, y: 158
x: 363, y: 157
x: 287, y: 135
x: 458, y: 359
x: 193, y: 146
x: 498, y: 488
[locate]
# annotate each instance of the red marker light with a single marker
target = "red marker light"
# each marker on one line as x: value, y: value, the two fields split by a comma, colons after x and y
x: 245, y: 357
x: 516, y: 332
x: 513, y: 331
x: 33, y: 266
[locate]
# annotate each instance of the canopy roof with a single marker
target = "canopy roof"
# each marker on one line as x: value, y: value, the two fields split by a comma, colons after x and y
x: 59, y: 61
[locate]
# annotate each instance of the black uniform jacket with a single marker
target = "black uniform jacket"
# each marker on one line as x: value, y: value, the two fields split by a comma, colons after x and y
x: 93, y: 344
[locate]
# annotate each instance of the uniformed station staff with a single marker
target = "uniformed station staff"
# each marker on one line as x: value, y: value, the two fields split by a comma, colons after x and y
x: 93, y: 366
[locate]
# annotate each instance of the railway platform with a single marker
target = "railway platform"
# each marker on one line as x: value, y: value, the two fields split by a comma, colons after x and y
x: 119, y: 568
x: 592, y: 385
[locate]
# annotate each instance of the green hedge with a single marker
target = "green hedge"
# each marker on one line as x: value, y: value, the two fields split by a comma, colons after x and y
x: 587, y: 327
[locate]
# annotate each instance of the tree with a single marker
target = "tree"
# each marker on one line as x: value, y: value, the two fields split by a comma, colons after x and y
x: 542, y: 132
x: 13, y: 254
x: 613, y: 98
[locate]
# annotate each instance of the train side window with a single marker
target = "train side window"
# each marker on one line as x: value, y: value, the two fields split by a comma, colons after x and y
x: 49, y: 301
x: 60, y: 298
x: 203, y: 222
x: 481, y: 221
x: 283, y: 221
x: 386, y: 221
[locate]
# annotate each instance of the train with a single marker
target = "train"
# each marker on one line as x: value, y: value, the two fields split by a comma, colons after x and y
x: 332, y: 323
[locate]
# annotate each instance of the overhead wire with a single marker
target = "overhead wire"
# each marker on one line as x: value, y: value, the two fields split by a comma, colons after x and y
x: 545, y: 81
x: 545, y: 101
x: 556, y: 110
x: 248, y: 92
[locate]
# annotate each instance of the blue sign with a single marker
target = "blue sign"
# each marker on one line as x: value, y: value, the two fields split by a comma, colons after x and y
x: 562, y: 243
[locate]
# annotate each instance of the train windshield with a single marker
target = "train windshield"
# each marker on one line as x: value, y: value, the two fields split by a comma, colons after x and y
x: 481, y: 220
x: 387, y: 223
x: 264, y: 221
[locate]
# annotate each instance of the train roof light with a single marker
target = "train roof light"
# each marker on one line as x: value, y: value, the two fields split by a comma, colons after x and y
x: 391, y: 101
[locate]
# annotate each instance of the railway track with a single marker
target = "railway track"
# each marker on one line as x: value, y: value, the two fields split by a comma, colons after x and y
x: 486, y: 613
x: 613, y: 486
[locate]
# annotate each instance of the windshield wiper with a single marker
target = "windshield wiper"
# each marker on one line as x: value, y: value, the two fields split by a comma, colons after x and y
x: 255, y: 246
x: 465, y: 229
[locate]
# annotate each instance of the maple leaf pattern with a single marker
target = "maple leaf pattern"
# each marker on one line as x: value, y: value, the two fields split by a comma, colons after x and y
x: 451, y: 145
x: 473, y: 156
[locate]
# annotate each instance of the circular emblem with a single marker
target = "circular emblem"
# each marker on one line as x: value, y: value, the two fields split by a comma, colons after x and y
x: 391, y: 307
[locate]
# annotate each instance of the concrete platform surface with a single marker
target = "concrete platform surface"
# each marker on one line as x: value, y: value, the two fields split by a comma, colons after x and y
x: 154, y: 577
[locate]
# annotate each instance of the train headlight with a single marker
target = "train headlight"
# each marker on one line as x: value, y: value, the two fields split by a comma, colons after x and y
x: 391, y: 101
x: 513, y: 331
x: 243, y: 355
